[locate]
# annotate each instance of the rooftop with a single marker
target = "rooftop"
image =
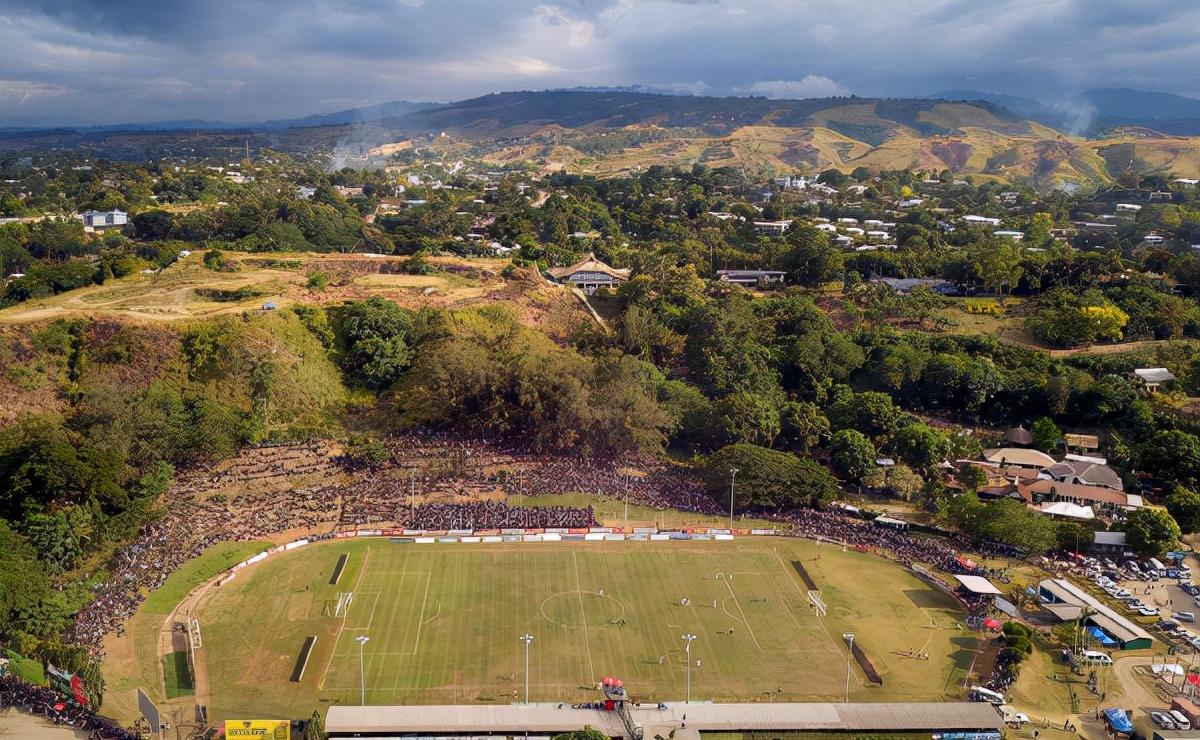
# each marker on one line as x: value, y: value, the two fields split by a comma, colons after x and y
x: 554, y: 718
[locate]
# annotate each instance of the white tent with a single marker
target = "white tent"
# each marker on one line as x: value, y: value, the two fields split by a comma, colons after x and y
x: 1069, y: 510
x: 1160, y: 668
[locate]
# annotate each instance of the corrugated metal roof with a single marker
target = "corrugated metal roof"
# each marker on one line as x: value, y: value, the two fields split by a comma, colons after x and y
x: 550, y: 718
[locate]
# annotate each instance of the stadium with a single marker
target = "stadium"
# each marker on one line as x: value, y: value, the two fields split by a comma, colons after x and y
x: 436, y: 621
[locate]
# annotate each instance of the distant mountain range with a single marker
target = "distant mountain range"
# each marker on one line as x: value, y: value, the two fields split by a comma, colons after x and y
x: 1093, y: 112
x: 1098, y: 136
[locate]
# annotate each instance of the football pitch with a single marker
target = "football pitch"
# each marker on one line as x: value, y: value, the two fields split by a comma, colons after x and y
x: 444, y: 623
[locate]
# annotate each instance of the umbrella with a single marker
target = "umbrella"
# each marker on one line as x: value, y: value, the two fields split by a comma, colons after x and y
x: 992, y: 624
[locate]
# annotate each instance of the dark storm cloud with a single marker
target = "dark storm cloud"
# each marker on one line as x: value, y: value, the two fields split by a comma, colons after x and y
x: 127, y: 60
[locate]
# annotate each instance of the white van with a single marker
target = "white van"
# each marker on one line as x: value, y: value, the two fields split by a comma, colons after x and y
x: 1184, y: 616
x: 982, y: 693
x: 1095, y: 657
x: 1180, y: 719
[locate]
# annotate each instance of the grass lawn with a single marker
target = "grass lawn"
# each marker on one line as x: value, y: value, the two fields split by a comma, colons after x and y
x: 25, y: 668
x: 215, y: 559
x: 178, y: 680
x: 443, y: 622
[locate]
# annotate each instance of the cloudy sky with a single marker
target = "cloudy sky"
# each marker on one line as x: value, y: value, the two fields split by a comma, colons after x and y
x: 105, y: 61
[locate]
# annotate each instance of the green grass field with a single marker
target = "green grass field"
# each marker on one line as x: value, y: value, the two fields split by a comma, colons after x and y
x: 175, y: 672
x: 444, y: 622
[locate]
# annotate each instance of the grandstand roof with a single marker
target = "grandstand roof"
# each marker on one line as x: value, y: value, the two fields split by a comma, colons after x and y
x: 344, y: 720
x: 978, y: 585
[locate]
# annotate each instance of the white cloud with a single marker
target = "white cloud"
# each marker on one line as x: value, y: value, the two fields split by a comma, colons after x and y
x: 824, y: 33
x: 579, y: 33
x: 17, y: 92
x: 812, y: 86
x: 534, y: 67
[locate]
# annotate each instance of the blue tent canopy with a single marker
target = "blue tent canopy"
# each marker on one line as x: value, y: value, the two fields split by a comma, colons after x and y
x: 1118, y: 721
x: 1101, y: 636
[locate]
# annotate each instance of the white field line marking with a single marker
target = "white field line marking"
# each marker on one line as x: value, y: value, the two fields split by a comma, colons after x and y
x: 583, y: 615
x: 738, y: 604
x: 342, y: 627
x: 792, y: 576
x: 421, y: 617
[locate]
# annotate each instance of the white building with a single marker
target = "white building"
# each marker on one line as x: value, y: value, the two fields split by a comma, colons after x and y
x: 104, y: 219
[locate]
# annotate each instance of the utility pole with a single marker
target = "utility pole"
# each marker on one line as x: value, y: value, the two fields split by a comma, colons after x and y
x: 688, y: 649
x: 849, y: 637
x: 526, y: 638
x: 732, y: 477
x: 362, y: 677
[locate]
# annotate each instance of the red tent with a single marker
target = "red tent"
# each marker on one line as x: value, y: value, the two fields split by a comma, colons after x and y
x: 1194, y: 678
x: 77, y: 690
x: 992, y: 624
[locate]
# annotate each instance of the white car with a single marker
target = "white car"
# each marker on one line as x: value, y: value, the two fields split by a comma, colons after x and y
x: 1162, y: 719
x: 1148, y: 611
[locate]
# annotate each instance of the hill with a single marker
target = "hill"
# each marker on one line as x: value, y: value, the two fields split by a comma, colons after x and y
x: 609, y: 132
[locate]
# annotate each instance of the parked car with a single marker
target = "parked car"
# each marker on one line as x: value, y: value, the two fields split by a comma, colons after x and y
x: 1162, y: 719
x: 1184, y: 616
x: 1148, y: 611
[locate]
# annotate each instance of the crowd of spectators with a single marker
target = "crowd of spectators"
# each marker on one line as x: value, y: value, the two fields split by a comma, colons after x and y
x: 838, y: 526
x: 476, y: 515
x: 647, y: 482
x: 58, y: 709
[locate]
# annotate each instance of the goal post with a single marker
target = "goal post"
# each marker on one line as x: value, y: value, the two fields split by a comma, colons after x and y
x: 344, y: 599
x: 817, y: 602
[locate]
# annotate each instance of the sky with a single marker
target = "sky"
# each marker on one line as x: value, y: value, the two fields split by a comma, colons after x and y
x: 74, y: 62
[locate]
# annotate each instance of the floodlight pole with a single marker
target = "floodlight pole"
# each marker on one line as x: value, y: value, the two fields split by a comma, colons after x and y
x: 849, y: 637
x: 526, y: 638
x: 732, y: 477
x: 626, y: 503
x: 362, y: 677
x: 688, y: 649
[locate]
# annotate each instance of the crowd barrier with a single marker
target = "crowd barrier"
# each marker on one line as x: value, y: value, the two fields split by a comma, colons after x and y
x: 491, y: 536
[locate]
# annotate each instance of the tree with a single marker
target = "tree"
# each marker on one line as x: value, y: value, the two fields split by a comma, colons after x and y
x: 375, y: 337
x: 803, y: 424
x: 1184, y: 506
x: 921, y: 446
x: 810, y: 259
x: 748, y: 417
x: 23, y: 583
x: 1171, y: 456
x: 767, y: 479
x: 314, y: 729
x: 1046, y: 434
x: 1151, y: 531
x: 851, y: 453
x: 871, y: 413
x: 214, y: 260
x: 971, y: 477
x: 905, y: 483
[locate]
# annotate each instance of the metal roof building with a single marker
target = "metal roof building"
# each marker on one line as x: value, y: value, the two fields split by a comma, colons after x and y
x: 1130, y: 635
x: 547, y: 719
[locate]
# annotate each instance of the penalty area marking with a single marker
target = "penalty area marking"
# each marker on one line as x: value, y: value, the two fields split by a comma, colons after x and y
x: 738, y: 604
x: 342, y: 627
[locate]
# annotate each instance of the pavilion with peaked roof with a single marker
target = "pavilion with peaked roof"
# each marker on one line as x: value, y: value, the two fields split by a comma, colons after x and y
x: 589, y: 274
